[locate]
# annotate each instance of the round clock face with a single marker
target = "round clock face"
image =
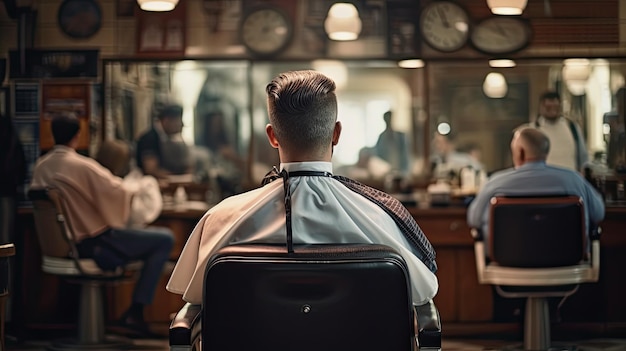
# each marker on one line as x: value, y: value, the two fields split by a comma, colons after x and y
x: 80, y: 19
x: 501, y: 35
x: 444, y: 25
x: 266, y: 31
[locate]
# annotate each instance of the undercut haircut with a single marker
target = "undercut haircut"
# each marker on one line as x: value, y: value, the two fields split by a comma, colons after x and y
x: 64, y: 128
x: 302, y: 107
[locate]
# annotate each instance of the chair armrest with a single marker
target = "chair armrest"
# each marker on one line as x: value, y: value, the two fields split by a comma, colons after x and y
x: 186, y: 326
x: 477, y: 234
x: 595, y: 232
x: 429, y: 324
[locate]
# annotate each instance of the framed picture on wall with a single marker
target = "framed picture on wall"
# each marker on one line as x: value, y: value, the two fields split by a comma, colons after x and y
x: 162, y: 33
x: 402, y: 29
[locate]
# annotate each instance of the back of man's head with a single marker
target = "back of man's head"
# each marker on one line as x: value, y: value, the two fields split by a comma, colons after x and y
x: 302, y: 108
x: 535, y: 144
x: 170, y: 111
x: 64, y: 128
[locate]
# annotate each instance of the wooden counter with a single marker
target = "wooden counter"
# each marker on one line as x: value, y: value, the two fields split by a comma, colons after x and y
x: 466, y: 307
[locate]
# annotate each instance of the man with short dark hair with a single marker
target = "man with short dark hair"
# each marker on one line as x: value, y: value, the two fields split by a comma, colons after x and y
x: 302, y: 108
x: 568, y: 148
x: 98, y: 207
x: 161, y: 151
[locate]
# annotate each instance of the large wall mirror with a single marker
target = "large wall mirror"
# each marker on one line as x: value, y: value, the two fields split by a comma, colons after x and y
x: 224, y: 113
x: 224, y: 110
x: 459, y: 102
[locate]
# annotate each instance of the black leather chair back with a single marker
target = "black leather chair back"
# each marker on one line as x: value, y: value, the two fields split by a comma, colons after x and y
x: 537, y: 231
x: 321, y: 297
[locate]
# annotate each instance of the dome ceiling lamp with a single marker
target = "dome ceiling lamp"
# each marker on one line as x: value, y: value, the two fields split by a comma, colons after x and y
x: 495, y: 85
x: 343, y: 22
x: 157, y: 5
x: 575, y: 74
x: 507, y: 7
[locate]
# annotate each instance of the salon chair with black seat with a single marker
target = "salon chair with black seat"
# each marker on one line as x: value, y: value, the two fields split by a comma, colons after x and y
x: 538, y: 248
x: 60, y: 257
x: 316, y: 297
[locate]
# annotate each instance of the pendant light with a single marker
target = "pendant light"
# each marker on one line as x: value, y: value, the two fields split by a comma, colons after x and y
x: 507, y: 7
x: 495, y: 85
x: 157, y: 5
x: 343, y: 22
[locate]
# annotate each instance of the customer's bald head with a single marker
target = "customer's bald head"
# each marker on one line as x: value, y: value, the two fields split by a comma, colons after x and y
x: 529, y: 144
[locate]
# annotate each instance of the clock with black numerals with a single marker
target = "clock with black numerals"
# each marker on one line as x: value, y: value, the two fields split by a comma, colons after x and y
x: 266, y: 31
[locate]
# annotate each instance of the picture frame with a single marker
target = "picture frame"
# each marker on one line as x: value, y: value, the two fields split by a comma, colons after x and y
x: 403, y: 29
x: 163, y: 33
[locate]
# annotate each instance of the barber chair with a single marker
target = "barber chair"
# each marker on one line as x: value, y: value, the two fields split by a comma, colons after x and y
x: 537, y: 250
x: 6, y: 251
x: 60, y: 257
x: 318, y: 297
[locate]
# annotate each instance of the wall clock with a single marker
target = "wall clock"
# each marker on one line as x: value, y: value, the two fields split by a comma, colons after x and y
x: 444, y: 25
x: 266, y: 31
x: 79, y: 19
x: 501, y: 35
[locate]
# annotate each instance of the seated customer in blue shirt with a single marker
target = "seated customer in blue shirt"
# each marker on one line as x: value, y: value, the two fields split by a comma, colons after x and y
x: 531, y: 176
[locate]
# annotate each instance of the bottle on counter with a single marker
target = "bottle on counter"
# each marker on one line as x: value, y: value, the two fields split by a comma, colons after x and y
x: 180, y: 196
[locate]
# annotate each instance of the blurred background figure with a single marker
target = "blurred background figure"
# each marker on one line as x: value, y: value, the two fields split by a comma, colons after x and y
x: 392, y: 146
x: 226, y: 165
x: 446, y: 161
x: 616, y: 140
x: 568, y: 148
x: 161, y: 151
x: 147, y: 201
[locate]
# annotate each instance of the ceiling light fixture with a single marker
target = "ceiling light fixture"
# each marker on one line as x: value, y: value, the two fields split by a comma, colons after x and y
x: 157, y: 5
x: 501, y: 63
x: 575, y: 74
x: 343, y: 22
x: 507, y: 7
x: 411, y: 63
x: 495, y: 85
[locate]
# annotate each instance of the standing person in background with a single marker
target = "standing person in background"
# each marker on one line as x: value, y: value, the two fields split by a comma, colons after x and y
x: 392, y: 146
x: 98, y: 207
x: 302, y: 108
x: 161, y: 151
x: 568, y: 147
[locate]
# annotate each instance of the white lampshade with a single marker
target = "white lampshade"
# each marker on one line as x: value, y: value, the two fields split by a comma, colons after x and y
x: 343, y: 22
x: 157, y: 5
x: 495, y: 85
x: 411, y: 63
x: 501, y: 63
x: 507, y: 7
x: 575, y: 74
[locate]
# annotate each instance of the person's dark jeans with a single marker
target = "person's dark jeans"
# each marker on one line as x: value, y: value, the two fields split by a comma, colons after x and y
x: 117, y: 247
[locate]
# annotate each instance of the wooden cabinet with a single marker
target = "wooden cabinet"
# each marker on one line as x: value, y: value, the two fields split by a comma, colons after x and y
x: 466, y: 307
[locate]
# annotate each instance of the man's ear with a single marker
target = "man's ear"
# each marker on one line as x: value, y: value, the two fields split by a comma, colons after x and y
x: 336, y: 133
x: 271, y: 137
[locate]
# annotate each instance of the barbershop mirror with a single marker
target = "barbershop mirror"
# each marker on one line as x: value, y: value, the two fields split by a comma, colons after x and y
x: 458, y: 101
x: 224, y: 104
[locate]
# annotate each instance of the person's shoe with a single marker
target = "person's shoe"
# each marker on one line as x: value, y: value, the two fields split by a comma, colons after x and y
x: 136, y: 328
